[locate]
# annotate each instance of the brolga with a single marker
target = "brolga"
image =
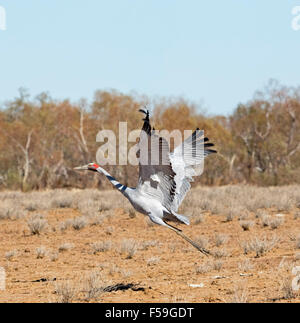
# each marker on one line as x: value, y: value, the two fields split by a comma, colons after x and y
x: 164, y: 176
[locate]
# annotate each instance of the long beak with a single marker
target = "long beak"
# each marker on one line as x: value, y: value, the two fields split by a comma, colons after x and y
x: 85, y: 167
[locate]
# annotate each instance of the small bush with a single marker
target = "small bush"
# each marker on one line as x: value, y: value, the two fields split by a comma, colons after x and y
x: 203, y: 268
x: 37, y: 224
x: 132, y: 214
x: 63, y: 226
x: 10, y: 254
x: 220, y: 254
x: 297, y: 215
x: 245, y: 266
x: 104, y: 207
x: 145, y: 245
x: 217, y: 265
x: 101, y: 246
x: 202, y: 242
x: 244, y: 216
x: 260, y: 213
x: 97, y: 220
x: 79, y: 223
x: 198, y: 219
x: 275, y: 223
x: 284, y: 204
x: 129, y: 247
x: 65, y: 247
x: 62, y: 202
x: 287, y: 289
x: 246, y: 225
x: 4, y: 213
x: 109, y: 230
x: 93, y: 286
x: 240, y: 294
x: 265, y: 220
x: 66, y: 291
x: 153, y: 261
x: 220, y: 239
x: 260, y: 246
x: 41, y: 252
x: 53, y: 256
x: 230, y: 215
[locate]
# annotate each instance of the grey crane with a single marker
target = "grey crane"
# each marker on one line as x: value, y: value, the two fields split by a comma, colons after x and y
x: 164, y: 176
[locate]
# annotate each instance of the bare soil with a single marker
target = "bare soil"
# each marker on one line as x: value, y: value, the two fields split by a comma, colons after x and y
x: 164, y: 266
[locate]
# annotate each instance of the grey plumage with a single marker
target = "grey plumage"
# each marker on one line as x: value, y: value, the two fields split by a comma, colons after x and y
x: 164, y: 176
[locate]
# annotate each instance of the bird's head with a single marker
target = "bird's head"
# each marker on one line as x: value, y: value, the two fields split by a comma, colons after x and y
x: 91, y: 166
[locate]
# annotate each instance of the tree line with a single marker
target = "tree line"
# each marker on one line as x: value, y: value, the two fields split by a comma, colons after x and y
x: 42, y: 139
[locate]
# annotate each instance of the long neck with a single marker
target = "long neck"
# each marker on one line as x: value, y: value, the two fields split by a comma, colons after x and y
x: 122, y: 188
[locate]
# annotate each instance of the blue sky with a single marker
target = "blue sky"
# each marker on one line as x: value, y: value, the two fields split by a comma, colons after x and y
x: 218, y: 52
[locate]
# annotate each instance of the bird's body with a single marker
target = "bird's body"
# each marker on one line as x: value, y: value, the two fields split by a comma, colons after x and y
x: 142, y: 203
x: 145, y: 205
x: 164, y: 176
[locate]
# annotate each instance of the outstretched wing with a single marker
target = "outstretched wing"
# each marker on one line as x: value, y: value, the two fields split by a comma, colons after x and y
x: 187, y: 162
x: 156, y: 175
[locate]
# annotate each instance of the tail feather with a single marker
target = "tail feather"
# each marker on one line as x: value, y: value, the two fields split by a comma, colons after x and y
x: 182, y: 218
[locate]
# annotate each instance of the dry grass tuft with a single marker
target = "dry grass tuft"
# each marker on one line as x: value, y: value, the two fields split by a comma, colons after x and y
x: 202, y: 242
x: 53, y: 256
x: 101, y: 246
x: 97, y: 220
x: 61, y: 202
x: 265, y: 220
x: 260, y: 245
x: 198, y: 219
x: 220, y: 239
x: 240, y: 294
x: 93, y: 285
x: 246, y: 225
x: 203, y: 268
x: 297, y: 215
x: 132, y: 213
x: 63, y: 226
x: 10, y: 254
x: 145, y: 245
x: 41, y: 252
x: 275, y: 223
x: 129, y: 248
x: 79, y: 222
x: 65, y: 247
x: 153, y: 261
x: 66, y: 291
x: 8, y: 211
x: 217, y: 265
x: 221, y: 253
x: 37, y: 224
x: 287, y: 289
x: 245, y: 265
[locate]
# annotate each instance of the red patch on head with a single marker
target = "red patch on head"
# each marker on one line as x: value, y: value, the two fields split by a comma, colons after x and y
x: 96, y: 166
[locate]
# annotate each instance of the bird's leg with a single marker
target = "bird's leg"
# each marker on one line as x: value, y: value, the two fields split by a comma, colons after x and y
x: 193, y: 243
x: 159, y: 221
